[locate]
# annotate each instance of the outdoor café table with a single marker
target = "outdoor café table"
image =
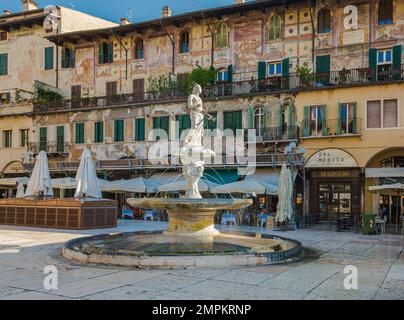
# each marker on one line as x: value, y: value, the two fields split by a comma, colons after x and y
x: 229, y: 217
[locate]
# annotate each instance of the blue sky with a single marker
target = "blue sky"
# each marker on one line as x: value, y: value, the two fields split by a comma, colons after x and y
x: 140, y: 9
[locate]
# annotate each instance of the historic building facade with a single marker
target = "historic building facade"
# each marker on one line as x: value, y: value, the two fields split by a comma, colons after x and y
x: 326, y: 76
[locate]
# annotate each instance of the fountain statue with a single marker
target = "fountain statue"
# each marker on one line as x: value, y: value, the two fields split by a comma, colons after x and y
x: 191, y: 238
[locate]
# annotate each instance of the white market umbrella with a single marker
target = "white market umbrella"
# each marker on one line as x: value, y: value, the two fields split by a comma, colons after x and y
x: 40, y: 182
x: 137, y: 185
x: 284, y: 208
x: 87, y: 181
x: 20, y: 191
x: 64, y: 183
x: 248, y: 186
x: 180, y: 184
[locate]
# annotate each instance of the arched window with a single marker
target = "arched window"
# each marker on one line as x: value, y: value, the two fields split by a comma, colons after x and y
x: 385, y: 12
x: 139, y: 49
x: 184, y: 42
x: 222, y: 35
x: 275, y: 28
x: 324, y: 21
x: 259, y: 120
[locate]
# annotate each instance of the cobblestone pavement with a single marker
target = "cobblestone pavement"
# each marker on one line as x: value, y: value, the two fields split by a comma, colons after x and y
x: 24, y: 252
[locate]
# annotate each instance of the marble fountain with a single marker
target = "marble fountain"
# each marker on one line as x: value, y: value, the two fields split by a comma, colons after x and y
x: 191, y: 239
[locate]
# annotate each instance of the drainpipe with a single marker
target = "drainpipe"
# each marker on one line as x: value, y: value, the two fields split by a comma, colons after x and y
x: 126, y: 53
x: 172, y: 42
x: 313, y: 42
x: 212, y: 57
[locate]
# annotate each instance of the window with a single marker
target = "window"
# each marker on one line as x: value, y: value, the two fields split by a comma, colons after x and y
x: 233, y: 120
x: 184, y: 123
x: 79, y: 137
x: 275, y: 69
x: 222, y: 76
x: 7, y: 138
x: 385, y: 12
x: 48, y: 64
x: 275, y: 28
x: 139, y: 49
x: 111, y: 91
x: 68, y: 58
x: 60, y: 139
x: 184, y: 42
x: 99, y: 132
x: 24, y: 137
x: 3, y: 35
x: 324, y: 21
x: 138, y: 89
x: 382, y: 114
x: 119, y: 127
x: 43, y: 139
x: 140, y: 129
x: 259, y: 120
x: 347, y: 119
x: 384, y: 57
x: 4, y: 97
x: 105, y: 53
x: 161, y: 127
x: 315, y: 121
x: 3, y: 64
x: 222, y: 35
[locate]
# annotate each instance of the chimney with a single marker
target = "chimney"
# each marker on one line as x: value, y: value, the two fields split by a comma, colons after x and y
x: 28, y: 5
x: 6, y: 12
x: 124, y: 21
x: 166, y: 12
x: 238, y: 1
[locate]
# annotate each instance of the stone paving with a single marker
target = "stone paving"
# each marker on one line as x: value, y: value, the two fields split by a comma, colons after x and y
x: 24, y: 252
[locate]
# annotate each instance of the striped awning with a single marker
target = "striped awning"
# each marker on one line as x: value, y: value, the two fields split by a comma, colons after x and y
x: 384, y: 172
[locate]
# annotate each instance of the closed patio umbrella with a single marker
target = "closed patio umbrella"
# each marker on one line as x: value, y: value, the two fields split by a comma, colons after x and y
x: 20, y: 191
x: 249, y: 185
x: 87, y: 181
x: 284, y: 208
x: 40, y: 182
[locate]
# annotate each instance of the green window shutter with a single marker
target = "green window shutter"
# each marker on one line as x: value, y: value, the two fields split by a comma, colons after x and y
x: 72, y: 57
x: 156, y: 126
x: 210, y: 124
x: 373, y: 61
x: 99, y: 132
x: 60, y: 138
x: 306, y: 122
x: 325, y: 122
x: 227, y: 120
x: 110, y: 52
x: 339, y: 129
x: 101, y: 53
x: 262, y: 70
x: 79, y: 133
x: 251, y: 117
x: 3, y: 64
x: 165, y: 125
x: 238, y: 120
x: 291, y: 121
x: 397, y: 60
x: 285, y: 67
x: 266, y: 113
x: 43, y: 139
x: 49, y: 58
x: 119, y: 131
x: 140, y: 129
x: 64, y: 58
x: 280, y: 122
x: 323, y: 64
x: 355, y: 120
x: 213, y: 72
x: 230, y: 73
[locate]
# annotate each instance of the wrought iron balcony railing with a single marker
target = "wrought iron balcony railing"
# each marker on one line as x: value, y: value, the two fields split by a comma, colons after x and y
x: 293, y: 82
x: 50, y: 147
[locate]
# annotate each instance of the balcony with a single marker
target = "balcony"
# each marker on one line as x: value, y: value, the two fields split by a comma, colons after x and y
x: 293, y: 82
x: 50, y: 147
x: 333, y: 128
x: 271, y: 134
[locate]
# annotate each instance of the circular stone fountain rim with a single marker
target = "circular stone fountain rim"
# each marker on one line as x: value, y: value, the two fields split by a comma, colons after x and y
x: 71, y: 250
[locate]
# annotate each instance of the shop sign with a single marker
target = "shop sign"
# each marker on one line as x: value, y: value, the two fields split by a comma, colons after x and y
x: 332, y: 158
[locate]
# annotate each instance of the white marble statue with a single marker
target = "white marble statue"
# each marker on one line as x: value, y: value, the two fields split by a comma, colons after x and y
x: 193, y: 152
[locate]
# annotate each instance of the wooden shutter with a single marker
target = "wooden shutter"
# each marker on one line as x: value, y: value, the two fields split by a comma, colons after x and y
x: 43, y: 139
x: 79, y: 133
x: 101, y: 53
x: 98, y: 132
x: 325, y: 122
x: 355, y: 120
x: 110, y: 52
x: 339, y: 126
x: 262, y: 70
x: 119, y: 130
x: 3, y: 64
x: 323, y: 64
x: 251, y: 115
x: 72, y: 58
x: 230, y: 73
x: 397, y: 61
x: 373, y: 61
x: 64, y: 58
x: 140, y: 130
x: 285, y: 67
x: 49, y: 58
x: 60, y: 139
x: 165, y: 125
x: 138, y: 89
x: 306, y: 122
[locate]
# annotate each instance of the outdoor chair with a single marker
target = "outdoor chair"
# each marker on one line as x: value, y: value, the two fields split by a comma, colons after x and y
x: 381, y: 224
